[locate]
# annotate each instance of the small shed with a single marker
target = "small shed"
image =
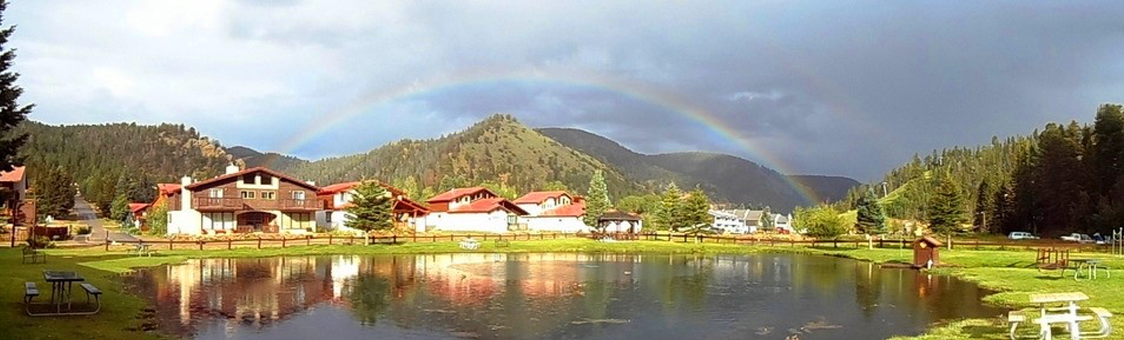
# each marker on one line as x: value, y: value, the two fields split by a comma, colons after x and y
x: 926, y: 249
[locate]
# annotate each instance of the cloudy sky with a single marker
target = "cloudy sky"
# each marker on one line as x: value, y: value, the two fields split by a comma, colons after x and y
x: 828, y: 87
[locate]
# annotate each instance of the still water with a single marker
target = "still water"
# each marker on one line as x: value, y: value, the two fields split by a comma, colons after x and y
x: 550, y: 296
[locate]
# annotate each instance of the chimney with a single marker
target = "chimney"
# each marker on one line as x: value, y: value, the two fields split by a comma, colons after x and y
x: 185, y: 181
x: 232, y: 169
x: 312, y: 183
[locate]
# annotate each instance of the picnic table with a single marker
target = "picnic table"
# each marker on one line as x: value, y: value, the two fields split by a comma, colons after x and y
x: 142, y: 249
x: 62, y: 283
x: 1069, y: 311
x: 1090, y: 266
x: 469, y: 244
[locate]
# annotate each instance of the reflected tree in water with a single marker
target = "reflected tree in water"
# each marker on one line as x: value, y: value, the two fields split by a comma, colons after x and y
x: 368, y: 296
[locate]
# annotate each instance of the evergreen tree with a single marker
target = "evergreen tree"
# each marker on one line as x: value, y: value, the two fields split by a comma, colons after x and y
x: 596, y: 199
x: 11, y: 113
x: 947, y: 209
x: 870, y: 219
x: 696, y: 212
x: 54, y: 192
x: 668, y: 215
x: 119, y: 209
x: 371, y: 208
x: 1108, y: 144
x: 767, y: 219
x: 985, y: 204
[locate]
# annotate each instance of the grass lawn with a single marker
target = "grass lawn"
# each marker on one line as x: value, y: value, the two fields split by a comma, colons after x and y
x: 1009, y: 272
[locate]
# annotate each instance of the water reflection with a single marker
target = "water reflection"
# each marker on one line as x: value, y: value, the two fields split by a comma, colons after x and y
x: 561, y: 296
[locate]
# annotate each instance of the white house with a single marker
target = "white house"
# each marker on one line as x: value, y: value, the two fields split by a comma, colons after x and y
x: 555, y: 211
x: 473, y: 209
x: 727, y: 222
x: 243, y: 201
x: 783, y: 222
x: 337, y: 197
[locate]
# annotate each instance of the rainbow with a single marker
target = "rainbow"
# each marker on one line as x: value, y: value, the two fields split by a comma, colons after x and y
x: 641, y: 92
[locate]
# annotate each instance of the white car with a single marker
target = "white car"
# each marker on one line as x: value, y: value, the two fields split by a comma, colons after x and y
x: 1021, y: 235
x: 1078, y: 237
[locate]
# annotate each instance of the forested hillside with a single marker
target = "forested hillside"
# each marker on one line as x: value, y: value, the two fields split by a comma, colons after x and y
x: 1064, y: 178
x: 727, y: 178
x: 253, y: 158
x: 497, y: 152
x: 99, y: 157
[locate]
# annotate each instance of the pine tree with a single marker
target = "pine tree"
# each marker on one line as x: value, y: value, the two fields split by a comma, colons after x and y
x: 946, y: 211
x: 596, y: 199
x: 767, y: 221
x: 11, y: 113
x: 870, y: 219
x: 985, y: 204
x: 696, y: 212
x: 119, y: 209
x: 54, y: 192
x: 371, y: 208
x: 668, y: 214
x: 1108, y: 144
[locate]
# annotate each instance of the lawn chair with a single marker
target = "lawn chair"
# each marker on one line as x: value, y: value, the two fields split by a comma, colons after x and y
x: 34, y: 255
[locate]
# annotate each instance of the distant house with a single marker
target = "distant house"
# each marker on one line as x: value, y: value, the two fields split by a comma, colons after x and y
x: 783, y: 222
x: 140, y: 214
x: 250, y: 200
x: 556, y: 211
x: 337, y: 198
x: 615, y: 221
x: 473, y: 209
x: 750, y: 218
x: 728, y: 222
x: 15, y: 182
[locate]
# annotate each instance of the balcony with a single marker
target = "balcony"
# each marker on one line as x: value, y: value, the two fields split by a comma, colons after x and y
x: 222, y: 203
x: 291, y: 204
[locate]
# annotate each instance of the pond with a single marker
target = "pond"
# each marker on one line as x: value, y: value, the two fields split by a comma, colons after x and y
x: 550, y: 296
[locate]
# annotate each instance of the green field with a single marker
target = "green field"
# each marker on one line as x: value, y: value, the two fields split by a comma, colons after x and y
x: 1011, y: 273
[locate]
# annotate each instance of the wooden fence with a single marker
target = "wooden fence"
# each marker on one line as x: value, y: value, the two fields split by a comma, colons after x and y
x: 308, y: 240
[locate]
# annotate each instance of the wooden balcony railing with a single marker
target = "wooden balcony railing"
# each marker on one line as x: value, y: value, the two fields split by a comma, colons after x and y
x: 302, y: 204
x: 216, y: 203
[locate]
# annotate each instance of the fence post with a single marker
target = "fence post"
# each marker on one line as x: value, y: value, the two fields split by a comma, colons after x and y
x: 308, y: 240
x: 394, y: 239
x: 228, y: 244
x: 414, y: 237
x: 283, y: 239
x: 434, y: 238
x: 835, y: 243
x: 170, y: 244
x: 259, y: 242
x: 329, y: 239
x: 201, y: 244
x: 106, y: 240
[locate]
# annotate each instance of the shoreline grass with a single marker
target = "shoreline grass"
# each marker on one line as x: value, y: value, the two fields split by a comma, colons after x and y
x: 1010, y: 273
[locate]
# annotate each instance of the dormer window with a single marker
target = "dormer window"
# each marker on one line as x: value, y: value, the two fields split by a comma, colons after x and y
x: 215, y: 193
x: 298, y: 195
x: 266, y: 180
x: 249, y: 179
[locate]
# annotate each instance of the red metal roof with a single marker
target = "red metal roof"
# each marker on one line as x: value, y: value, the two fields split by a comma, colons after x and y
x: 279, y: 175
x: 168, y: 189
x: 137, y: 207
x: 487, y: 205
x: 536, y: 197
x: 458, y: 192
x: 575, y: 209
x: 345, y: 186
x: 15, y: 175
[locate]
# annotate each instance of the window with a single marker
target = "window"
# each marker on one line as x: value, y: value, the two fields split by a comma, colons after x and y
x: 328, y: 216
x: 218, y: 221
x: 215, y: 193
x: 297, y: 221
x: 268, y: 195
x: 249, y: 179
x: 298, y: 195
x: 266, y: 180
x: 247, y: 194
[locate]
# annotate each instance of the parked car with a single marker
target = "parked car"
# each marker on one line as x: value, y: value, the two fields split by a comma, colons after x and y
x: 1021, y: 235
x: 1078, y: 237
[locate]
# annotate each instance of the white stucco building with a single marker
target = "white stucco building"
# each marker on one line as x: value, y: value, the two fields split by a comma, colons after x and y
x: 553, y: 211
x: 473, y: 209
x: 727, y: 222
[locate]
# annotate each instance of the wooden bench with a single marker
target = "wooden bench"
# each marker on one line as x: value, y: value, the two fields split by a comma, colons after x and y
x: 30, y: 292
x: 33, y: 255
x: 91, y: 290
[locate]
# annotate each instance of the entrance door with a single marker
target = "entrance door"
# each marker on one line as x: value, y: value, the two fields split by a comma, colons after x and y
x: 255, y: 221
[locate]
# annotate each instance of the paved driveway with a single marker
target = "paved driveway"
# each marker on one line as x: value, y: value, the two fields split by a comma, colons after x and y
x: 87, y: 214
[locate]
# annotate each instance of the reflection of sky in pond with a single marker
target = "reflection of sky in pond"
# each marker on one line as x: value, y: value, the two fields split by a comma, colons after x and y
x: 558, y: 296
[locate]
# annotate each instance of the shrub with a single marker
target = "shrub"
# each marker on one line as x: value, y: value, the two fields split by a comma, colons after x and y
x: 823, y: 222
x: 84, y: 230
x: 40, y: 241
